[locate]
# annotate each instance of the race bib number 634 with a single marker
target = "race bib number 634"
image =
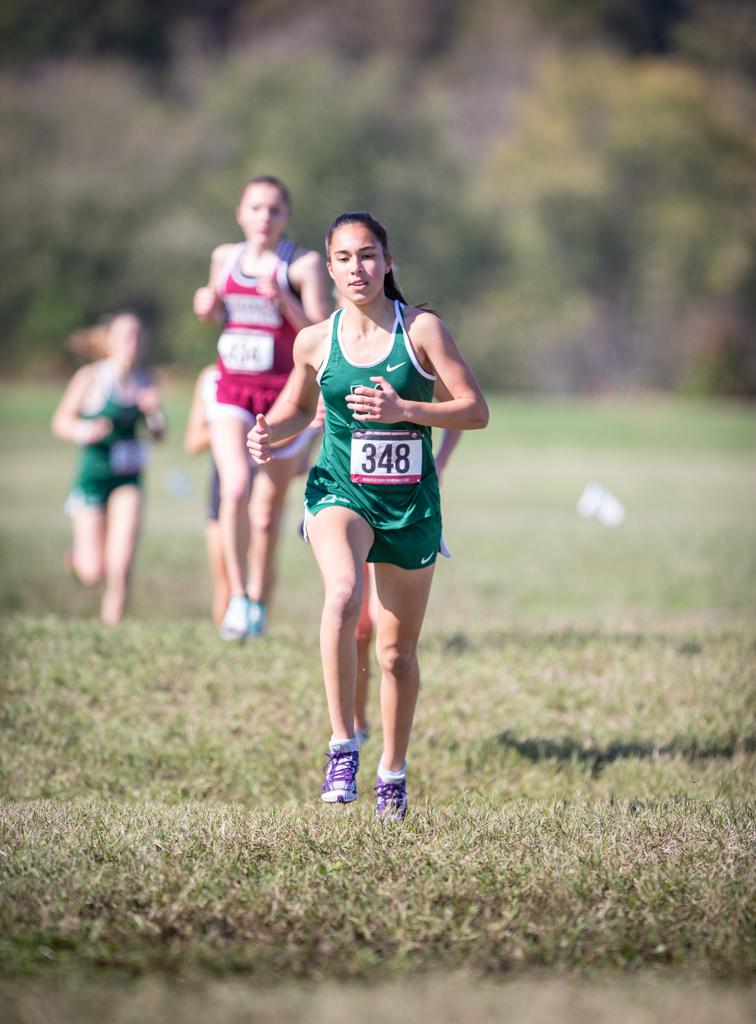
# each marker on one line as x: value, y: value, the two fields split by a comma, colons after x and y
x: 247, y: 352
x: 386, y: 457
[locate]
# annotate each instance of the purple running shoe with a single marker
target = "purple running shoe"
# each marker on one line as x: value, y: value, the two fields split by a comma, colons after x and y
x: 390, y: 799
x: 340, y: 771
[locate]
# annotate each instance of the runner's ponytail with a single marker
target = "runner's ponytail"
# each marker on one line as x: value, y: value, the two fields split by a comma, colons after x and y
x: 391, y: 288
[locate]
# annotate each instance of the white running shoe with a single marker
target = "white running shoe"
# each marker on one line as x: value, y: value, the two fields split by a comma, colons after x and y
x: 340, y: 782
x: 234, y: 625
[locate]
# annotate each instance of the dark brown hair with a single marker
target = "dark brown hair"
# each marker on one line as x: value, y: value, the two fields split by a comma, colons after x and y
x: 91, y: 342
x: 390, y: 287
x: 268, y: 179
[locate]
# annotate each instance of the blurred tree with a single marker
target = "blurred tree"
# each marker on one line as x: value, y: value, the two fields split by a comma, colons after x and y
x: 720, y: 35
x: 627, y: 199
x: 85, y: 170
x: 135, y: 190
x: 637, y: 26
x: 583, y: 220
x: 145, y: 31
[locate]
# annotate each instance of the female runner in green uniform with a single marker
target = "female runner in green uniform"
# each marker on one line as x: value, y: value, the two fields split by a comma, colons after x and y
x: 100, y: 411
x: 373, y: 493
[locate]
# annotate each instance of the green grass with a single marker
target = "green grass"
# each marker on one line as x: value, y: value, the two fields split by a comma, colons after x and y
x: 282, y: 893
x: 687, y: 552
x: 581, y: 835
x: 173, y: 714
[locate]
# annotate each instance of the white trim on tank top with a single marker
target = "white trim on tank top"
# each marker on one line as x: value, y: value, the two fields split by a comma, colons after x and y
x: 232, y: 268
x: 410, y: 347
x: 228, y: 267
x: 326, y: 357
x: 286, y: 251
x: 245, y: 280
x: 104, y: 376
x: 386, y: 354
x: 108, y: 387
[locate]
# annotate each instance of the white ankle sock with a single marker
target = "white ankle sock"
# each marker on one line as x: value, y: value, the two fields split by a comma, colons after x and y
x: 343, y: 746
x: 386, y: 776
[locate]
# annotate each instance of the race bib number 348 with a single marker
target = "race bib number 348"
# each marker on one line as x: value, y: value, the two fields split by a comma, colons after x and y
x: 386, y: 457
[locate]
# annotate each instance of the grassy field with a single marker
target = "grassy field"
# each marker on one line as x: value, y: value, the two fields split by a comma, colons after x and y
x: 580, y: 844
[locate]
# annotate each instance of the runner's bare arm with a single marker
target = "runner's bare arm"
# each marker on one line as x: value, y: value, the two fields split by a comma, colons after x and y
x: 149, y: 404
x: 207, y: 304
x: 197, y: 435
x: 297, y: 404
x: 67, y: 423
x: 308, y: 276
x: 465, y: 409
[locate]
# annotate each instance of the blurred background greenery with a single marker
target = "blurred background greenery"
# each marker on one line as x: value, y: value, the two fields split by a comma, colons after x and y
x: 571, y: 183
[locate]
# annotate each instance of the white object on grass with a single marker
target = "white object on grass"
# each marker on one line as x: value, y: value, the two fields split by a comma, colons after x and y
x: 178, y: 483
x: 596, y: 502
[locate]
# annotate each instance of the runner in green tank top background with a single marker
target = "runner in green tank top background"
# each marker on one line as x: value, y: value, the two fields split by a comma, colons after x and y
x: 373, y: 493
x: 100, y: 411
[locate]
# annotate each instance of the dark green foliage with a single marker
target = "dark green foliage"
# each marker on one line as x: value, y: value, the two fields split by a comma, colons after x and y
x: 583, y: 220
x: 144, y: 31
x: 638, y: 26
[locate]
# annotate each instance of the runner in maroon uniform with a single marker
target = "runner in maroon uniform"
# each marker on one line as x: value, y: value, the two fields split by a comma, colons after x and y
x: 263, y: 290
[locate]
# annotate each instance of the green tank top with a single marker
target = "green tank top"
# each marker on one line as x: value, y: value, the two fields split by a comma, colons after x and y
x: 119, y: 453
x: 384, y: 470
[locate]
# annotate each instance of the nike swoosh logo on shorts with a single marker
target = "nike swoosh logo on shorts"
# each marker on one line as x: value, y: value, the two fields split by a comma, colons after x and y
x: 424, y: 560
x: 390, y: 369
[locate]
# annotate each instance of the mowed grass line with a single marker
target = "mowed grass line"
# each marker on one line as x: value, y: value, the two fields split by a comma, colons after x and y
x: 313, y: 894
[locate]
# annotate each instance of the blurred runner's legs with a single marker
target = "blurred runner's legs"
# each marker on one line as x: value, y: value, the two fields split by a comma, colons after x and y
x: 262, y: 291
x: 293, y: 457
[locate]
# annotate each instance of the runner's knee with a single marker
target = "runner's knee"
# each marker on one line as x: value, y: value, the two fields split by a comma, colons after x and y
x: 397, y: 660
x: 343, y: 601
x: 234, y: 488
x: 89, y: 575
x: 266, y: 518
